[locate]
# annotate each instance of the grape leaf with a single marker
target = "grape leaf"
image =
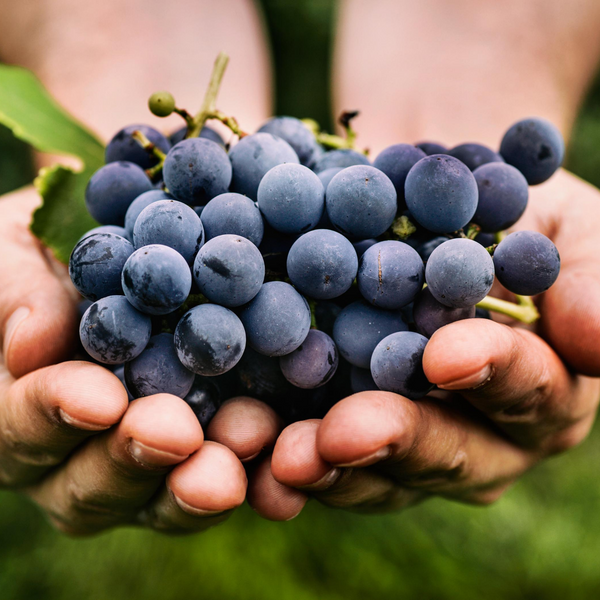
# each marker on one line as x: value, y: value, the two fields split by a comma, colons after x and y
x: 35, y: 117
x: 63, y: 218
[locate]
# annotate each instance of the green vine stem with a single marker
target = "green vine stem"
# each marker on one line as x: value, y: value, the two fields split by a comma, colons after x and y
x: 231, y: 122
x: 472, y: 231
x: 210, y: 98
x: 330, y: 140
x: 524, y: 311
x: 147, y: 145
x: 345, y: 121
x: 185, y: 115
x: 403, y: 228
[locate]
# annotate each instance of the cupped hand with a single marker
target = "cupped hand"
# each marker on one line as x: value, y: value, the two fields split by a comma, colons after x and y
x: 68, y: 436
x: 508, y: 397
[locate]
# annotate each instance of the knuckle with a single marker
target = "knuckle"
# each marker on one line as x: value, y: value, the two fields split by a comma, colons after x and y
x: 85, y: 504
x: 570, y: 438
x: 21, y: 451
x: 69, y: 528
x: 487, y: 497
x: 457, y: 469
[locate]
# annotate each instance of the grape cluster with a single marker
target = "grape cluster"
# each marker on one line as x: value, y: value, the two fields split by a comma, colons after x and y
x: 296, y: 274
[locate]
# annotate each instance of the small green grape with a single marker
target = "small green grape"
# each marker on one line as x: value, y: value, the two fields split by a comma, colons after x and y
x: 161, y: 104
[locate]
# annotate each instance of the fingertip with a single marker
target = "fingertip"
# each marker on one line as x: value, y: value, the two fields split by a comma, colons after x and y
x: 271, y: 499
x: 359, y: 430
x: 296, y: 462
x: 82, y: 394
x: 165, y: 423
x: 462, y: 352
x: 41, y: 331
x: 246, y: 426
x: 211, y: 480
x: 571, y: 321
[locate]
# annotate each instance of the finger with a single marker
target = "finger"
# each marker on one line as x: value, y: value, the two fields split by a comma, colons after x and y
x: 566, y: 210
x: 269, y: 498
x: 514, y: 378
x: 246, y: 426
x: 199, y: 493
x: 115, y: 474
x: 46, y: 414
x: 425, y: 445
x: 297, y: 463
x: 38, y: 316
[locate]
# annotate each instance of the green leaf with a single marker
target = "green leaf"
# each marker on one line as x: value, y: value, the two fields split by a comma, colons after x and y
x: 35, y: 117
x: 63, y: 218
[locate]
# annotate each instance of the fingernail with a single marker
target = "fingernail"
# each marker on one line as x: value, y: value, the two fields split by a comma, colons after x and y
x: 249, y: 458
x: 151, y: 457
x: 199, y: 512
x: 12, y: 325
x: 471, y: 381
x: 381, y: 454
x: 78, y: 424
x: 325, y: 482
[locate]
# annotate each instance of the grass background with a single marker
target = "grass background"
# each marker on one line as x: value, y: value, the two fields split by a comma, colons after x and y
x: 541, y: 541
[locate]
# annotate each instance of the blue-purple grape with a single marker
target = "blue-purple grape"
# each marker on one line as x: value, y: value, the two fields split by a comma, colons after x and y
x: 96, y: 263
x: 535, y: 147
x: 441, y: 193
x: 156, y: 279
x: 196, y: 170
x: 277, y: 320
x: 340, y: 158
x: 503, y: 195
x: 396, y: 161
x: 210, y: 340
x: 390, y: 274
x: 429, y: 315
x: 475, y: 155
x: 296, y: 134
x: 360, y: 327
x: 138, y: 205
x: 322, y: 264
x: 114, y: 332
x: 169, y: 223
x: 432, y: 148
x: 459, y: 273
x: 124, y: 147
x: 397, y: 365
x: 361, y: 202
x: 253, y: 156
x: 112, y: 188
x: 234, y: 214
x: 291, y: 198
x: 229, y: 270
x: 313, y: 363
x: 527, y: 263
x: 158, y: 370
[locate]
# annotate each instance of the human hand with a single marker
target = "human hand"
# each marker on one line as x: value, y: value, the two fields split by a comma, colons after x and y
x: 68, y: 437
x: 508, y: 398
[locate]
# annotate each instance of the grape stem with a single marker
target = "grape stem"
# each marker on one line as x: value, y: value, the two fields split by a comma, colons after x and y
x: 231, y: 122
x: 331, y: 141
x: 525, y: 311
x: 208, y: 110
x: 403, y: 227
x: 472, y: 231
x: 185, y: 115
x: 147, y: 145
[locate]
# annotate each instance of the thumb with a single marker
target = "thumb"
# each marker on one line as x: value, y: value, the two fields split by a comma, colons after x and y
x: 38, y: 314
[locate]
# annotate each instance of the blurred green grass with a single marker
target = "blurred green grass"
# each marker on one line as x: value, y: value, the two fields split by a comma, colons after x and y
x: 538, y: 542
